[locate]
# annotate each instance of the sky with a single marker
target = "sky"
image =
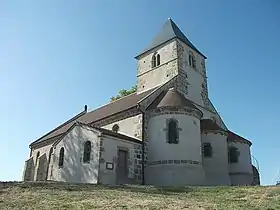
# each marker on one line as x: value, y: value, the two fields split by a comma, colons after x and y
x: 57, y: 56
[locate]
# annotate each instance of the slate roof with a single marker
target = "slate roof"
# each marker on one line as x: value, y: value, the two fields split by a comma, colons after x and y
x: 169, y: 31
x: 208, y: 124
x: 171, y: 98
x: 107, y: 110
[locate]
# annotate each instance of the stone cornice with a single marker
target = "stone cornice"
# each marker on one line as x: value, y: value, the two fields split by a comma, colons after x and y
x: 223, y: 133
x: 239, y: 140
x: 175, y: 110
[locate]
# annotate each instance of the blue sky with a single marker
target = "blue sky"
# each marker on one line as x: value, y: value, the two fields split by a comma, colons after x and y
x: 56, y: 56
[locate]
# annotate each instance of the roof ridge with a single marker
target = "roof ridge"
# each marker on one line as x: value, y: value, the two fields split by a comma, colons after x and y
x: 60, y: 126
x: 168, y: 32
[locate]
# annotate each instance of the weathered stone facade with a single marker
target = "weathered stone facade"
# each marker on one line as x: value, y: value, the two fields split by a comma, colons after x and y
x: 141, y: 131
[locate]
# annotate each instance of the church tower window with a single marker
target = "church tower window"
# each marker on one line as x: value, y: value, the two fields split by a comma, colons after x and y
x: 207, y: 150
x: 87, y: 151
x: 233, y: 155
x: 172, y: 131
x: 158, y: 59
x: 61, y: 157
x: 155, y: 60
x: 192, y: 61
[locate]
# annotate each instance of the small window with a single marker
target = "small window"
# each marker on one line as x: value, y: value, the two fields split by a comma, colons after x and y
x: 154, y: 62
x: 172, y: 132
x: 116, y: 128
x: 158, y: 59
x: 61, y: 157
x: 233, y: 155
x: 192, y: 61
x: 207, y: 150
x: 87, y: 151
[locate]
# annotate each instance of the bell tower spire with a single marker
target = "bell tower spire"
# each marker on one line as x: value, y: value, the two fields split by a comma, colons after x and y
x: 169, y: 54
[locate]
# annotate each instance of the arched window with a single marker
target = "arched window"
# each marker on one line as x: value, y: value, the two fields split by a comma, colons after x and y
x: 37, y: 158
x: 87, y: 151
x: 172, y: 132
x: 154, y: 62
x: 192, y: 61
x: 116, y: 128
x: 158, y: 59
x: 207, y: 150
x: 61, y: 157
x: 233, y: 154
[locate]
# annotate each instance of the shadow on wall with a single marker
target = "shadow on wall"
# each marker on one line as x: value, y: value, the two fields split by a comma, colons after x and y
x: 73, y: 169
x: 42, y: 168
x: 256, y: 178
x: 29, y: 170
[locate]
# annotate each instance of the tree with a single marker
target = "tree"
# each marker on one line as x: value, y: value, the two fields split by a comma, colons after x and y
x: 124, y: 92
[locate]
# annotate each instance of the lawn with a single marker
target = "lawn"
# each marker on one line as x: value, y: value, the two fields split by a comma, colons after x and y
x: 41, y: 196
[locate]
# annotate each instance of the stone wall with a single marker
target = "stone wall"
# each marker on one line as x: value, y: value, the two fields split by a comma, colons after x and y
x: 109, y: 156
x: 74, y: 170
x: 149, y: 77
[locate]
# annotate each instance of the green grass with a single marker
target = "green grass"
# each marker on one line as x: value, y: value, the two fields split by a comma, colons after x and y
x: 41, y: 196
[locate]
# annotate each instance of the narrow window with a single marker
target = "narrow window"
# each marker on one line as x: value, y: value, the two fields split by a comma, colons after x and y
x: 116, y: 128
x: 154, y: 61
x: 207, y: 150
x: 87, y: 151
x: 173, y: 135
x: 233, y: 155
x: 37, y: 158
x: 193, y: 62
x: 158, y: 59
x: 190, y: 59
x: 61, y: 157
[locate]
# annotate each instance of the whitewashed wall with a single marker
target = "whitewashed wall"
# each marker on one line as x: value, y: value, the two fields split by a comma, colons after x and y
x: 149, y: 77
x: 74, y: 170
x: 131, y: 126
x: 181, y: 171
x: 216, y: 167
x: 241, y: 173
x: 110, y: 146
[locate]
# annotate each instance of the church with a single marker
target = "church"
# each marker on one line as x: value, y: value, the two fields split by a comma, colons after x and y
x: 167, y: 133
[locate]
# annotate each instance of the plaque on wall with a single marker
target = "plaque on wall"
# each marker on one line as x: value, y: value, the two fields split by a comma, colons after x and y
x: 109, y: 165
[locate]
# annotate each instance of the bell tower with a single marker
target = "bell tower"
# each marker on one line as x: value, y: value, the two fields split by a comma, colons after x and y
x: 170, y: 54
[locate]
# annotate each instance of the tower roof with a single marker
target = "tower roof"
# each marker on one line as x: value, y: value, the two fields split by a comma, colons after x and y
x: 169, y: 31
x: 171, y: 98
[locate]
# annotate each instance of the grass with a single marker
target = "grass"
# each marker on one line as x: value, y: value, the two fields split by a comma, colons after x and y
x: 41, y: 196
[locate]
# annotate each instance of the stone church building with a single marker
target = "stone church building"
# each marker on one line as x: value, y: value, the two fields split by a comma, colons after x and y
x: 167, y: 133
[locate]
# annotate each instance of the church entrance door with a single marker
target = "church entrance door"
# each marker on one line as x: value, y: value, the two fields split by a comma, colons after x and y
x: 122, y: 171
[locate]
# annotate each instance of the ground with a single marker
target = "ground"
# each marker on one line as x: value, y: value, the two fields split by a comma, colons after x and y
x: 85, y: 196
